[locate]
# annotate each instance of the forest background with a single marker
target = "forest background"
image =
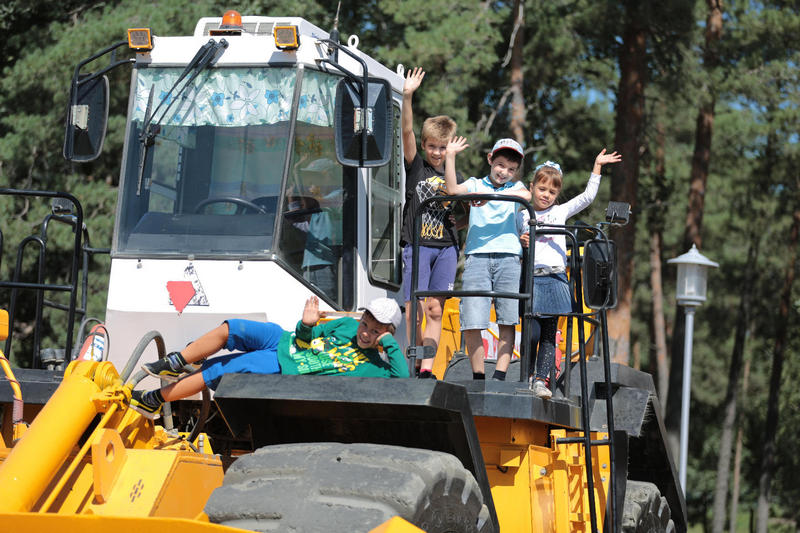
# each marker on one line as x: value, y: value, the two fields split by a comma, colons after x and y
x: 700, y: 97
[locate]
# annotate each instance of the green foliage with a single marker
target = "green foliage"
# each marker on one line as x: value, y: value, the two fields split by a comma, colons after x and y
x: 570, y: 80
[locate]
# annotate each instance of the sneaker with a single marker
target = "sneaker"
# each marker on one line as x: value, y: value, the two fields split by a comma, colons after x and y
x: 425, y: 374
x: 540, y: 390
x: 141, y: 406
x: 162, y: 369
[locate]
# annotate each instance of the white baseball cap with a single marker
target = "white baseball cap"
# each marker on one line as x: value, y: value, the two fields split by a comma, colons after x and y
x: 385, y: 311
x: 507, y: 144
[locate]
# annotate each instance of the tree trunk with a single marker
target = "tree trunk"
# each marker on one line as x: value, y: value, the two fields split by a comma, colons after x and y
x: 768, y: 450
x: 655, y: 223
x: 737, y: 458
x: 694, y: 215
x: 517, y: 124
x: 659, y: 328
x: 703, y: 130
x: 729, y: 404
x: 699, y: 176
x: 625, y: 176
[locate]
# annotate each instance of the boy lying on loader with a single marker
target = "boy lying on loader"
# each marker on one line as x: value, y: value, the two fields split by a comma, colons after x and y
x: 344, y: 346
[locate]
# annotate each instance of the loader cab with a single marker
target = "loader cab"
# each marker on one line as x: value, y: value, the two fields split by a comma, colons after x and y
x: 236, y: 175
x: 249, y: 180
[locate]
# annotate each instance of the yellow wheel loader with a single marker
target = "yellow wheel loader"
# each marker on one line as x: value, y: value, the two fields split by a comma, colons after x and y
x: 263, y: 164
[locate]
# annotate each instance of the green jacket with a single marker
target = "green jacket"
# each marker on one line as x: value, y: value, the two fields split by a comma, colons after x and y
x: 331, y: 348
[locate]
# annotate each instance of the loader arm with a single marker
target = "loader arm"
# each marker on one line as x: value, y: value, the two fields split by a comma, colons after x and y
x: 88, y: 453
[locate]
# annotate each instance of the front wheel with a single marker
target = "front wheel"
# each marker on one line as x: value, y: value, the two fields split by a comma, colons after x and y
x: 331, y: 487
x: 646, y: 510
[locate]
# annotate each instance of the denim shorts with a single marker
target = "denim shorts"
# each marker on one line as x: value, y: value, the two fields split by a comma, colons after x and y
x: 490, y: 272
x: 259, y: 342
x: 437, y: 269
x: 551, y: 295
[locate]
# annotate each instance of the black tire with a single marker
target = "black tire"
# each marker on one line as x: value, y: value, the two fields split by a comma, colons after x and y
x: 646, y: 510
x: 332, y: 487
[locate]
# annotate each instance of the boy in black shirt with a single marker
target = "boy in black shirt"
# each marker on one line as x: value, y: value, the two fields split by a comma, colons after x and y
x: 438, y: 251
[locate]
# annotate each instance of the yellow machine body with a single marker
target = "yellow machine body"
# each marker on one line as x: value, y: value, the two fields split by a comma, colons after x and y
x: 123, y: 466
x: 87, y: 523
x: 89, y: 463
x: 537, y: 486
x: 450, y: 339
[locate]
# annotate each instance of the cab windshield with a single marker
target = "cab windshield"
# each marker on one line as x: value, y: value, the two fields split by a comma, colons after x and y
x: 213, y: 181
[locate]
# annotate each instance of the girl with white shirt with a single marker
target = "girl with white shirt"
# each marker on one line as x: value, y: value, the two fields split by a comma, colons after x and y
x: 551, y: 287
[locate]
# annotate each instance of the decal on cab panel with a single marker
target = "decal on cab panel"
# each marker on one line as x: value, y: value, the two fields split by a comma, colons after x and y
x: 188, y: 291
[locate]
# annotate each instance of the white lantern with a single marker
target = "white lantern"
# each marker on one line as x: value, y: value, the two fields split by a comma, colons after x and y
x: 692, y: 272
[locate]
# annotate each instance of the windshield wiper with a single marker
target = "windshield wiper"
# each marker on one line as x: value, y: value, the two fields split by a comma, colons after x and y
x: 144, y: 142
x: 205, y: 56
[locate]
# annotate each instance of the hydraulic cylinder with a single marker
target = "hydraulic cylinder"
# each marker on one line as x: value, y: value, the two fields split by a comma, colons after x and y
x: 37, y: 457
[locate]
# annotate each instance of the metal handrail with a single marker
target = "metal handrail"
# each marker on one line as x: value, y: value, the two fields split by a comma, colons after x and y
x: 526, y: 295
x: 40, y: 285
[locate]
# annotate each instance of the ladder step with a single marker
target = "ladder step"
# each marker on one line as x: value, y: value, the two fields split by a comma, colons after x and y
x: 580, y: 440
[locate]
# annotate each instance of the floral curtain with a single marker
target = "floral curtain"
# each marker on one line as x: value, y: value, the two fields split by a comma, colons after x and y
x: 236, y: 97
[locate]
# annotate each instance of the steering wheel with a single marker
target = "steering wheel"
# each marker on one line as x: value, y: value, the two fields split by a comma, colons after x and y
x: 242, y: 204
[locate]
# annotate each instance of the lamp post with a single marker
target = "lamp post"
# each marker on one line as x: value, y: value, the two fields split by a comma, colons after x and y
x: 690, y: 293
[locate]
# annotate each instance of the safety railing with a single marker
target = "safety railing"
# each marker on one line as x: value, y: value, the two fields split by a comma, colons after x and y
x: 66, y: 210
x: 526, y: 296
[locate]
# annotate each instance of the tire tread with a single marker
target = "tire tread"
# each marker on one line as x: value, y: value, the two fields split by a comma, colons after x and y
x: 347, y: 487
x: 646, y: 510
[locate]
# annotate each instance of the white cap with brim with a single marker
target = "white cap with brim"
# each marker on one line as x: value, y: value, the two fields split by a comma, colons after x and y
x: 507, y: 144
x: 385, y: 311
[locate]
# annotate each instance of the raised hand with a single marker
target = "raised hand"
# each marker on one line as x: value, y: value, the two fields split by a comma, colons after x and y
x: 456, y: 145
x: 311, y: 312
x: 413, y: 80
x: 603, y: 158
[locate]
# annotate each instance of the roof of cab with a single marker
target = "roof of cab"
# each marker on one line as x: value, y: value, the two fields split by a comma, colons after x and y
x: 258, y: 25
x: 256, y: 47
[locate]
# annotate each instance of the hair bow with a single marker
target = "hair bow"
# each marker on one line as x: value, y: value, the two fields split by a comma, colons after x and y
x: 549, y: 164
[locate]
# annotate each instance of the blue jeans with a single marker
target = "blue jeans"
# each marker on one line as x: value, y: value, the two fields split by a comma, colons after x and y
x: 490, y: 272
x: 259, y: 343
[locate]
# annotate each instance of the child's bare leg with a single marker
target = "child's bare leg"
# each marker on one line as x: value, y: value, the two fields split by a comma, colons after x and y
x: 149, y: 403
x: 175, y: 363
x: 474, y: 343
x: 188, y: 386
x: 505, y: 347
x: 206, y: 345
x: 434, y: 307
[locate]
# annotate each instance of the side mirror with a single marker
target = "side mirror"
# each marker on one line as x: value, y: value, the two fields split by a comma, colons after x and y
x: 599, y: 274
x: 352, y: 123
x: 87, y: 117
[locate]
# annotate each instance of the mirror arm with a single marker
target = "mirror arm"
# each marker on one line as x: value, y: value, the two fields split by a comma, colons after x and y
x: 363, y: 81
x: 349, y: 52
x: 99, y: 73
x: 349, y: 75
x: 101, y: 53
